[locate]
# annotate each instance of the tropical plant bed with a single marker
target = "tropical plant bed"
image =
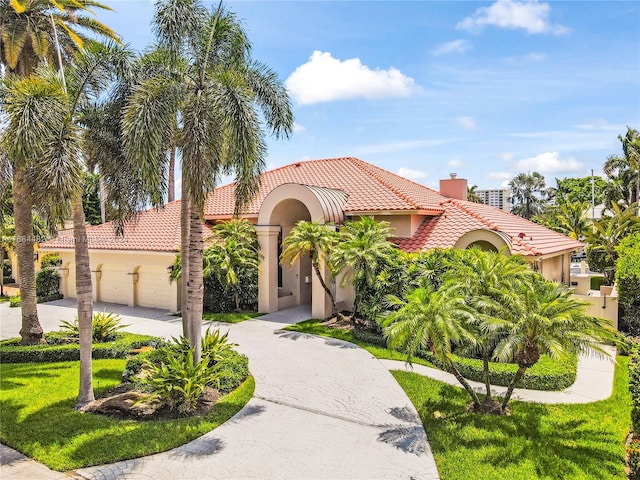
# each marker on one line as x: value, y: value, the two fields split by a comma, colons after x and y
x: 547, y: 374
x: 62, y: 348
x: 38, y: 418
x: 572, y: 442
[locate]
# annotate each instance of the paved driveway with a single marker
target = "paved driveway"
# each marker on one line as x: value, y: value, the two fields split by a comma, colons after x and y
x: 323, y: 409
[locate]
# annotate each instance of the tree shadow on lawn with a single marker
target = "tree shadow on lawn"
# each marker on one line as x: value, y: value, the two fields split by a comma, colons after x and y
x: 555, y: 445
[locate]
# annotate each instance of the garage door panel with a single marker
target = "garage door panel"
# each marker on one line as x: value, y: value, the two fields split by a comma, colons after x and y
x: 153, y: 289
x: 114, y: 284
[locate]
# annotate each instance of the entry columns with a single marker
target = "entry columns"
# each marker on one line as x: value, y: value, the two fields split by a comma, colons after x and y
x: 268, y: 270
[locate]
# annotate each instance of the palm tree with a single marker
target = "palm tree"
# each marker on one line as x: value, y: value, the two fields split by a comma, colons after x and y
x: 627, y: 168
x: 363, y: 250
x: 236, y: 252
x: 472, y: 195
x: 528, y: 193
x: 56, y: 105
x: 432, y: 321
x: 489, y: 280
x: 217, y: 97
x: 573, y: 219
x: 547, y: 320
x: 27, y: 30
x: 317, y: 241
x: 608, y: 232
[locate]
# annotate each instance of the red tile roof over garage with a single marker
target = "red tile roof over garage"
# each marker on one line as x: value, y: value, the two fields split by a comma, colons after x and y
x: 368, y: 189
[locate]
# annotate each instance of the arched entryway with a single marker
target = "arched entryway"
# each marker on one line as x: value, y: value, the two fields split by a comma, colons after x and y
x: 282, y: 286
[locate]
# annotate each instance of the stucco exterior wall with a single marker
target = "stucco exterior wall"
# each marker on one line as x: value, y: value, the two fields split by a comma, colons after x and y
x: 605, y: 307
x: 132, y: 270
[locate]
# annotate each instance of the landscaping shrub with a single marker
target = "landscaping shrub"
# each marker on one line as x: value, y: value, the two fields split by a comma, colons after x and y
x: 14, y: 301
x: 105, y: 326
x: 628, y: 281
x: 369, y: 336
x: 50, y: 260
x: 219, y: 298
x: 47, y: 283
x: 57, y: 351
x: 633, y: 451
x: 596, y: 282
x: 6, y: 269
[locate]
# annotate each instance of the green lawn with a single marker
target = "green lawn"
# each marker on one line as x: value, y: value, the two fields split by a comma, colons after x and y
x: 314, y: 327
x: 37, y: 418
x: 233, y: 317
x: 563, y: 442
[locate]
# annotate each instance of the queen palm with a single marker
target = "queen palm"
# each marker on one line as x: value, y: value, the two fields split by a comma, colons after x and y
x: 364, y: 249
x: 317, y: 241
x: 431, y: 320
x: 528, y: 191
x: 548, y: 320
x: 27, y: 34
x: 217, y: 98
x: 573, y: 219
x: 56, y: 106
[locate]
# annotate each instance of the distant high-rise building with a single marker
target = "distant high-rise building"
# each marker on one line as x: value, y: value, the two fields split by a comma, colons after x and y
x: 499, y: 198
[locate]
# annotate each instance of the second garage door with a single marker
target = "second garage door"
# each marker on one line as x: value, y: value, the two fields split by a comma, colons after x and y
x: 153, y: 289
x: 114, y: 284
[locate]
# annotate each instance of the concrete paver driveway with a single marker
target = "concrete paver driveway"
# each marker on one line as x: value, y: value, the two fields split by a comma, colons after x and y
x: 322, y: 409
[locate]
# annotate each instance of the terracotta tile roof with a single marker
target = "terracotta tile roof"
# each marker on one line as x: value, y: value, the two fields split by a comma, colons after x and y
x: 459, y: 217
x: 368, y: 188
x: 156, y: 230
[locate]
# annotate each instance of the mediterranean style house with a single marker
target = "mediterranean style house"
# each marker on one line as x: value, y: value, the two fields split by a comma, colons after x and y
x: 134, y: 269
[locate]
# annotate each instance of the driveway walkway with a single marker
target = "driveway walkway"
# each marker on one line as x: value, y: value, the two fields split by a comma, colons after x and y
x: 322, y: 408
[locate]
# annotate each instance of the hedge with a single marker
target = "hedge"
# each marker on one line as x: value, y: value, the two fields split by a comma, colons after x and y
x: 633, y: 450
x: 547, y: 374
x: 628, y: 281
x: 54, y: 351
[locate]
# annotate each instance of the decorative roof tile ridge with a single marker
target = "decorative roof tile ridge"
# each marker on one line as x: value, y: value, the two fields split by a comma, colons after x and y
x: 466, y: 209
x: 362, y: 165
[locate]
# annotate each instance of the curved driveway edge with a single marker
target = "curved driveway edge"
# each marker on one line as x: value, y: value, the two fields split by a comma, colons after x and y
x: 322, y: 409
x: 594, y: 380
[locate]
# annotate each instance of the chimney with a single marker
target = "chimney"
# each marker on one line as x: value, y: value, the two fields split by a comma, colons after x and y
x: 454, y: 187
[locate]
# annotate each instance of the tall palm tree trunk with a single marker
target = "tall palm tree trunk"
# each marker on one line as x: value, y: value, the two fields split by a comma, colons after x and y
x: 84, y: 302
x: 195, y: 287
x: 463, y: 381
x: 31, y: 331
x: 334, y: 308
x: 172, y: 172
x: 185, y: 219
x: 512, y: 386
x: 485, y: 372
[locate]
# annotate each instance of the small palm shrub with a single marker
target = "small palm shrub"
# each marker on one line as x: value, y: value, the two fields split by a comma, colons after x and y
x: 179, y: 380
x: 105, y: 326
x: 14, y: 301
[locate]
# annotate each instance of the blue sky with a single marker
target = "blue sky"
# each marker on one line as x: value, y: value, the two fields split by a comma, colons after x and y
x: 424, y: 88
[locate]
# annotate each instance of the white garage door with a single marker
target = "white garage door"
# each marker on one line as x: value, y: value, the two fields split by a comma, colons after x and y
x: 153, y: 288
x: 114, y: 284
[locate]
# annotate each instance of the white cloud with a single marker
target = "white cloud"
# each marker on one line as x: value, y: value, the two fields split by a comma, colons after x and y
x: 529, y: 15
x: 325, y: 79
x: 455, y: 46
x: 298, y: 128
x: 507, y: 156
x: 411, y: 174
x: 500, y: 175
x: 454, y: 163
x: 549, y: 162
x: 466, y: 122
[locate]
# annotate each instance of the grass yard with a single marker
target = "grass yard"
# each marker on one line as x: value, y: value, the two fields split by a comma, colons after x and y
x: 233, y: 317
x: 563, y: 442
x: 314, y: 327
x: 37, y: 418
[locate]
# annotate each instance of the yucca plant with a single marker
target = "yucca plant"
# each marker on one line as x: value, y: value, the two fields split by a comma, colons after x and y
x: 105, y: 326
